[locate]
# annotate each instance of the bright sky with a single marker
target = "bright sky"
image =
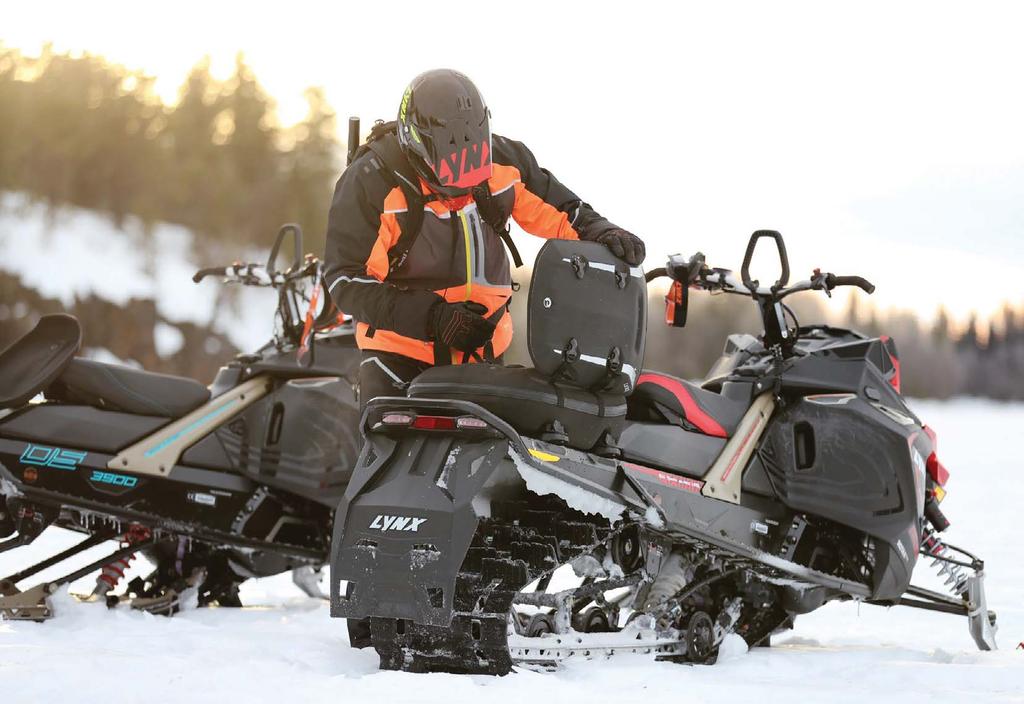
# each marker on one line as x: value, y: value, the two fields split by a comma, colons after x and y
x: 884, y: 139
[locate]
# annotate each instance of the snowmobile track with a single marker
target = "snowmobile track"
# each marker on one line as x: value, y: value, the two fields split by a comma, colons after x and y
x: 519, y: 543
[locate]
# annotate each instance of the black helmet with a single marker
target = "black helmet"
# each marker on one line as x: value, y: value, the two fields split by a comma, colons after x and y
x: 444, y: 128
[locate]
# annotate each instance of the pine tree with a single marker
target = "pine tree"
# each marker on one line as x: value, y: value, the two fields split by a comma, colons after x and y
x: 312, y: 169
x: 940, y: 328
x: 853, y: 311
x: 196, y: 179
x: 969, y: 339
x: 250, y: 151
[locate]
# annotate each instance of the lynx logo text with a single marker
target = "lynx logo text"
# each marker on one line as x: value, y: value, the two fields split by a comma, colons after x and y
x: 406, y: 523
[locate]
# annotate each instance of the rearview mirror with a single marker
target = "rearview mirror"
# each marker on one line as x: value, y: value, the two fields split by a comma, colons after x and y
x: 296, y: 232
x: 752, y: 284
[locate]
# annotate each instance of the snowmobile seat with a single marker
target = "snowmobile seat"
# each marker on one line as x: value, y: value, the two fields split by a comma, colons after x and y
x: 119, y: 388
x: 528, y: 400
x: 669, y: 399
x: 37, y: 358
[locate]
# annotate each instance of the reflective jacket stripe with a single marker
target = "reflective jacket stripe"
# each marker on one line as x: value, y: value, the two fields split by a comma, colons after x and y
x: 469, y: 253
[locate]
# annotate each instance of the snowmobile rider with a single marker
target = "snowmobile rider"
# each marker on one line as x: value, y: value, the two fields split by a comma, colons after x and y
x: 417, y: 232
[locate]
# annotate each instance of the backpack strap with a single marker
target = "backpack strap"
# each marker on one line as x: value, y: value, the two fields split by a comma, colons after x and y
x: 487, y: 205
x: 384, y: 144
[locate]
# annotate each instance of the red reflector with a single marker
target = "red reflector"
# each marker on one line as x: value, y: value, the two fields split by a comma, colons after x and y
x: 434, y: 423
x: 937, y: 470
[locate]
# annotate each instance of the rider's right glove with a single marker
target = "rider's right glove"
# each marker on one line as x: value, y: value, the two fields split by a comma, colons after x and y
x: 624, y: 245
x: 461, y: 326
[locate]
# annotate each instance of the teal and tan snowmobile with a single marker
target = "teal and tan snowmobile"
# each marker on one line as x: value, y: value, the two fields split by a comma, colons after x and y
x: 510, y: 516
x: 214, y: 484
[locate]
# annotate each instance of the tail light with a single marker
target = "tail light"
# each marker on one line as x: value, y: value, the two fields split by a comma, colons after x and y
x: 936, y: 470
x: 416, y: 422
x: 434, y: 423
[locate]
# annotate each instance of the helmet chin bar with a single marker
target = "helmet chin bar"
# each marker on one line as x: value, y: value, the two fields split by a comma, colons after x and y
x: 431, y: 179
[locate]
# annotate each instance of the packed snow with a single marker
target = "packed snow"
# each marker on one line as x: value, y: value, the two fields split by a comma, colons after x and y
x: 284, y: 647
x: 542, y: 483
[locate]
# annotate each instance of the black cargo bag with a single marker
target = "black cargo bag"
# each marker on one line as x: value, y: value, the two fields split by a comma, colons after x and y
x: 529, y: 401
x: 587, y: 317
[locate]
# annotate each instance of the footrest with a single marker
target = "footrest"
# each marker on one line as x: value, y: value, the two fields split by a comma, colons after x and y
x: 31, y: 605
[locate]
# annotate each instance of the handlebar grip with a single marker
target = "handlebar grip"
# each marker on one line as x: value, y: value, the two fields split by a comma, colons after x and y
x: 212, y: 271
x: 655, y: 273
x: 858, y: 281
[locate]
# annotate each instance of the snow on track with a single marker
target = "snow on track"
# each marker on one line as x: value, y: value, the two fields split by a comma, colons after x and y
x: 284, y: 647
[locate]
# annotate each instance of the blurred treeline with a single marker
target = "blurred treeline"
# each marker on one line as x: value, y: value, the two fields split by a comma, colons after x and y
x: 77, y: 130
x: 935, y: 362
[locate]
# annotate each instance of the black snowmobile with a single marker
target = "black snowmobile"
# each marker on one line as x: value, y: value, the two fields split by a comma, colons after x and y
x: 505, y: 516
x: 214, y: 484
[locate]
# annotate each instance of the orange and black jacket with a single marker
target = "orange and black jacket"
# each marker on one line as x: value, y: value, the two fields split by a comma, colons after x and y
x: 457, y: 254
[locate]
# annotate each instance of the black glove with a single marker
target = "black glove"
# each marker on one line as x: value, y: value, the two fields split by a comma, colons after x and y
x: 461, y: 326
x: 624, y: 245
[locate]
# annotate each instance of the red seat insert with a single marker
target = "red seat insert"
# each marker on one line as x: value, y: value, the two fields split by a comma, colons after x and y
x: 704, y: 411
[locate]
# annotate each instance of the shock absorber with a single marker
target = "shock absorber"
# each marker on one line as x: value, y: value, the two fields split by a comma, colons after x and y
x: 113, y: 572
x: 933, y: 547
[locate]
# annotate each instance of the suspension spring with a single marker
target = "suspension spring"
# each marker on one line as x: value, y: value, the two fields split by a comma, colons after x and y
x: 113, y: 572
x: 955, y: 574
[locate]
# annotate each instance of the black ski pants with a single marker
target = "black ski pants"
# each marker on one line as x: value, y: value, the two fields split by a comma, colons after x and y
x: 386, y: 374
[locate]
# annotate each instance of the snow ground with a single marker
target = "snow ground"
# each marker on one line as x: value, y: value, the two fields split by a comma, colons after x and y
x: 285, y: 647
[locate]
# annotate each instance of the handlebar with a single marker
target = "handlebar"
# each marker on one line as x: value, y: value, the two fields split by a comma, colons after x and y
x: 256, y: 274
x: 655, y: 274
x: 724, y: 280
x: 211, y: 271
x: 859, y: 281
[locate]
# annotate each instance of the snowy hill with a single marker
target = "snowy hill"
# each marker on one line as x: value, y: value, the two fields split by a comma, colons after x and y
x: 75, y: 252
x: 284, y: 647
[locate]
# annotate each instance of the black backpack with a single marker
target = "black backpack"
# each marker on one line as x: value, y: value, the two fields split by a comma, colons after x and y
x: 383, y: 142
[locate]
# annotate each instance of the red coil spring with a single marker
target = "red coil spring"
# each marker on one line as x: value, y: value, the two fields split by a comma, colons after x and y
x: 113, y: 572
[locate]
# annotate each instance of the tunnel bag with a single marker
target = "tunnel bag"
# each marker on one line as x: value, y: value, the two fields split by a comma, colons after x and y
x: 527, y: 400
x: 587, y: 316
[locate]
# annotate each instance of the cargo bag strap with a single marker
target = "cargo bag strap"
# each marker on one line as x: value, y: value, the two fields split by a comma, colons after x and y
x: 570, y: 355
x: 613, y: 368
